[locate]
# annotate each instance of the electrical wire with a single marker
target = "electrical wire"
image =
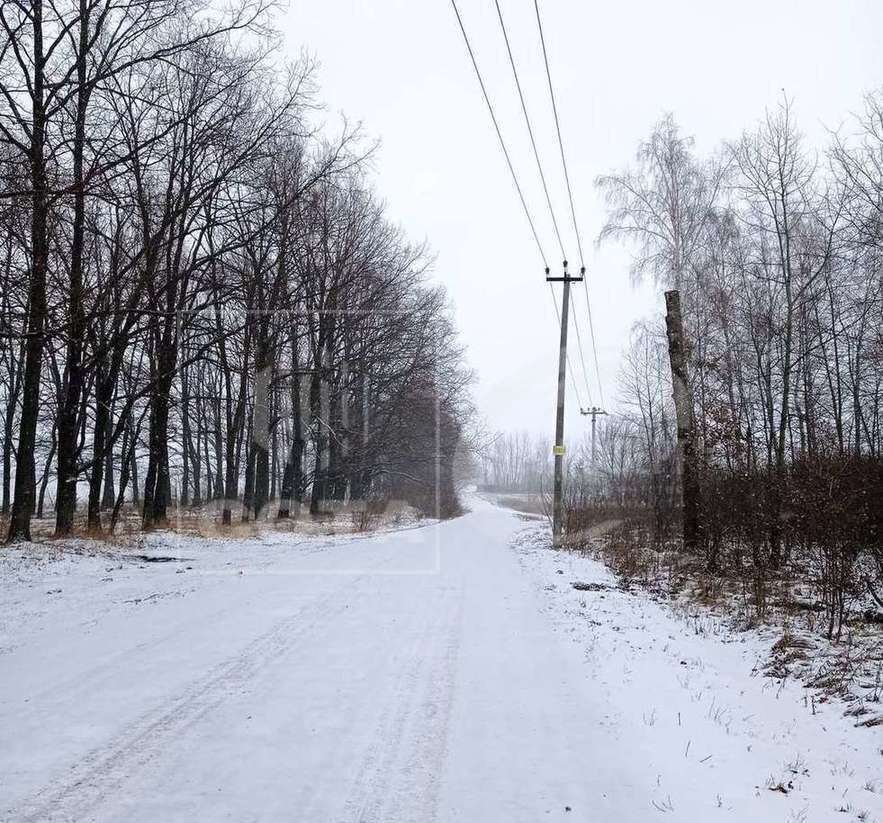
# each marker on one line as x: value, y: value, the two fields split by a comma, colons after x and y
x: 569, y: 195
x: 518, y: 188
x: 594, y: 345
x: 533, y: 142
x: 573, y: 385
x: 579, y: 345
x: 558, y: 130
x: 490, y: 109
x: 536, y: 155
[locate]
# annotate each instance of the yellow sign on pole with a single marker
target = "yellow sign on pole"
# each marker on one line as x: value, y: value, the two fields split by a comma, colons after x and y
x: 558, y: 451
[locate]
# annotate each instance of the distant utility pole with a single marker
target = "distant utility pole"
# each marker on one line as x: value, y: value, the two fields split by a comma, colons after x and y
x: 558, y: 451
x: 594, y: 412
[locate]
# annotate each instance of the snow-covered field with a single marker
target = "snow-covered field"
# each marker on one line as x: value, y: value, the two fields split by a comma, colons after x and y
x: 443, y: 673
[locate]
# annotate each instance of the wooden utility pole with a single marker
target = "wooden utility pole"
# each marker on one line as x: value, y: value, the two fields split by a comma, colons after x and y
x: 683, y: 397
x: 594, y: 412
x: 558, y: 451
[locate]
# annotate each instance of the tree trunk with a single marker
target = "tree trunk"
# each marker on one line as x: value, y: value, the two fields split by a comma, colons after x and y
x: 292, y: 477
x: 25, y: 481
x: 317, y: 405
x: 248, y: 491
x: 127, y: 460
x: 100, y: 442
x: 8, y: 436
x: 108, y: 496
x: 133, y: 461
x: 44, y: 482
x: 186, y: 446
x: 260, y: 433
x: 686, y: 427
x: 157, y: 487
x: 68, y: 422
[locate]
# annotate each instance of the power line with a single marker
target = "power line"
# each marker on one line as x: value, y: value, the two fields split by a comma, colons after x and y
x: 579, y: 341
x: 512, y: 168
x: 490, y: 109
x: 533, y: 142
x: 569, y: 196
x: 573, y: 384
x: 579, y: 345
x: 536, y: 155
x: 564, y: 365
x: 515, y: 176
x: 594, y: 345
x: 558, y: 130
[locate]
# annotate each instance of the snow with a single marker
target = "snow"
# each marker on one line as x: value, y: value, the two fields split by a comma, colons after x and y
x: 686, y: 694
x: 440, y: 673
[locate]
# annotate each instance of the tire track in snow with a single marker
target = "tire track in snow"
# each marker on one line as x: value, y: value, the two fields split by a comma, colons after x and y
x: 105, y: 669
x: 400, y: 773
x: 99, y: 774
x: 378, y: 761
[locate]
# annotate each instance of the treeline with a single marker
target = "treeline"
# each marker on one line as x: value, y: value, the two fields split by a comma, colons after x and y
x: 776, y: 253
x: 515, y: 462
x: 202, y: 297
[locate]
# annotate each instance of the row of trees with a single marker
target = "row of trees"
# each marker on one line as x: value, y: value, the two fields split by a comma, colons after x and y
x: 515, y: 462
x: 202, y: 297
x: 776, y: 253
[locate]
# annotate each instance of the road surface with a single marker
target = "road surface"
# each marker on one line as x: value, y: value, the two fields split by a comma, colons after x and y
x: 407, y: 677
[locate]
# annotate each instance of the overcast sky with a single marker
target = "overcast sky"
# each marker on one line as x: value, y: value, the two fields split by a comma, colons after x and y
x: 401, y: 67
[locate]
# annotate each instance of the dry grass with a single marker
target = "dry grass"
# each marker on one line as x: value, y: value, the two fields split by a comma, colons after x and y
x: 525, y: 503
x: 205, y: 522
x: 785, y: 610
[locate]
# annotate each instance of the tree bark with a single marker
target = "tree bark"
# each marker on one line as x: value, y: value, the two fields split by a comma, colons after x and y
x: 686, y: 426
x: 68, y: 422
x: 291, y: 495
x: 25, y: 481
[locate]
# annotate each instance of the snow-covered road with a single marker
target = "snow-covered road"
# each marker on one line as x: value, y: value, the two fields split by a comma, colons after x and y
x: 409, y: 677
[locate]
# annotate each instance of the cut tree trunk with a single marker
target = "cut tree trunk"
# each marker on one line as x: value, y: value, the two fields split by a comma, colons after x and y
x: 683, y: 399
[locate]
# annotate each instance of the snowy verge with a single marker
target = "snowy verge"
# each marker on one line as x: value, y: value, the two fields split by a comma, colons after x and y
x: 689, y: 696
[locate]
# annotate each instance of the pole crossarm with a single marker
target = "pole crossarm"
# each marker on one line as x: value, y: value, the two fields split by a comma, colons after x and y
x: 566, y: 277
